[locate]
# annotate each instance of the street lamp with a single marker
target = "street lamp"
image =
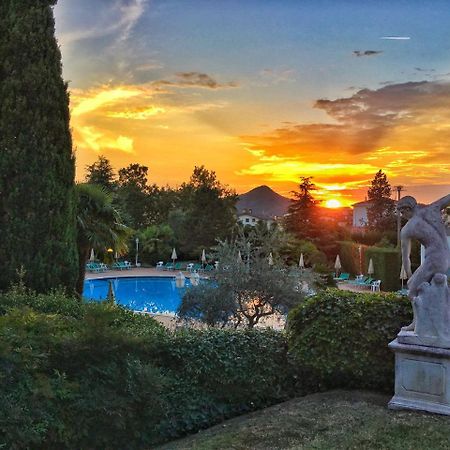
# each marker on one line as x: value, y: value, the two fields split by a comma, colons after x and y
x: 137, y: 251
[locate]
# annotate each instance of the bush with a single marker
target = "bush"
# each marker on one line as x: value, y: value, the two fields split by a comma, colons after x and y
x: 338, y: 339
x: 217, y: 373
x: 97, y: 376
x: 387, y: 265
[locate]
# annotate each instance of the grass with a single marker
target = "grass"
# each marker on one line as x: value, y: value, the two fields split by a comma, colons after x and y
x: 331, y: 420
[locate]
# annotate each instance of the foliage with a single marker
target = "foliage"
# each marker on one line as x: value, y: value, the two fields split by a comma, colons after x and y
x: 340, y: 338
x: 302, y: 212
x: 37, y: 201
x: 245, y: 291
x: 156, y: 242
x: 373, y: 237
x: 99, y: 225
x: 134, y: 195
x: 206, y: 212
x: 219, y: 373
x: 101, y: 173
x: 387, y: 265
x: 98, y: 376
x: 353, y: 259
x: 381, y: 215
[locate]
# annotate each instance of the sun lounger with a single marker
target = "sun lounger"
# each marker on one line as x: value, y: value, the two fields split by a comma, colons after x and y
x: 190, y: 267
x: 180, y: 266
x: 168, y: 266
x: 208, y: 268
x: 359, y: 280
x: 342, y: 277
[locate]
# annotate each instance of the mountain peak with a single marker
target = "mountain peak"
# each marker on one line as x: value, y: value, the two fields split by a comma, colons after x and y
x: 264, y: 202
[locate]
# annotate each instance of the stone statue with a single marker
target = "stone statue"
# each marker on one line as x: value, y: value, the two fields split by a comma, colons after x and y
x: 424, y: 224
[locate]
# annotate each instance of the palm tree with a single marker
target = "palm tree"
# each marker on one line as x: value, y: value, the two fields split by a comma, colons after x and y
x: 99, y: 225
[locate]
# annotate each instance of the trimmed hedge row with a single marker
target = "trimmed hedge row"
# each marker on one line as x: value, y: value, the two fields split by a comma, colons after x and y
x: 387, y: 265
x: 339, y: 339
x: 100, y: 377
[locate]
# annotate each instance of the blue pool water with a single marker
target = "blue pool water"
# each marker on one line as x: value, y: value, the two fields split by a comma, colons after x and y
x: 151, y: 294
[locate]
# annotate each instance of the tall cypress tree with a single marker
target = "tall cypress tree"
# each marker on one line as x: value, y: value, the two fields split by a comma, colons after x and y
x: 37, y: 167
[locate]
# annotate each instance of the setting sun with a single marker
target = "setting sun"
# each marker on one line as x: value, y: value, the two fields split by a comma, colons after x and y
x: 333, y: 203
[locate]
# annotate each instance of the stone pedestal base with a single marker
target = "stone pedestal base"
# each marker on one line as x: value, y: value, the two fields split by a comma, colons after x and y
x: 422, y: 378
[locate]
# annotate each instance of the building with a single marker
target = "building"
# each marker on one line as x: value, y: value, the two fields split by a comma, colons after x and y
x: 246, y: 217
x: 360, y: 218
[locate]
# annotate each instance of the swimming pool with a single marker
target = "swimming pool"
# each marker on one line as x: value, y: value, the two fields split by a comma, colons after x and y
x: 150, y: 294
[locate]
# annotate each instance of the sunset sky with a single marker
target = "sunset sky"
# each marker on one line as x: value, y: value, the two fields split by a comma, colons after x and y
x: 264, y: 91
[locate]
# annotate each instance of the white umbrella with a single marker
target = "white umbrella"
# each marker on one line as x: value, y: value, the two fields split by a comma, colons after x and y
x: 270, y: 259
x: 239, y: 257
x: 370, y: 269
x: 301, y: 262
x: 403, y: 275
x: 92, y: 257
x: 337, y: 265
x: 174, y: 255
x: 203, y: 256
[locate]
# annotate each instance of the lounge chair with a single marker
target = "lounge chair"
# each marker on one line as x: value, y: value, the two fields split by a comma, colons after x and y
x: 359, y: 280
x: 342, y: 277
x: 190, y: 267
x: 92, y: 267
x: 168, y: 266
x: 160, y: 265
x: 197, y: 268
x: 208, y: 268
x: 180, y: 266
x: 368, y: 282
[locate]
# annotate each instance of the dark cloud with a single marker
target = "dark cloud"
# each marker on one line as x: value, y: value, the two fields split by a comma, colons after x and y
x: 360, y: 53
x: 195, y: 80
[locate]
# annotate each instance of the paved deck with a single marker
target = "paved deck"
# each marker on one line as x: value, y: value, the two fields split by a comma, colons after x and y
x: 135, y: 272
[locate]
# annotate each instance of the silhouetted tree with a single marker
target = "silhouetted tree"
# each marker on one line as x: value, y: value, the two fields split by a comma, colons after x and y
x: 381, y: 215
x: 101, y: 173
x: 37, y: 198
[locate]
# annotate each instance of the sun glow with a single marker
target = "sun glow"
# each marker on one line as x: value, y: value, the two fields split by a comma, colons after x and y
x: 333, y: 203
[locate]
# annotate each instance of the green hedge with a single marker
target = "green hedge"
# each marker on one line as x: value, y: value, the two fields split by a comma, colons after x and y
x: 387, y: 265
x: 340, y: 339
x: 350, y: 258
x: 97, y: 376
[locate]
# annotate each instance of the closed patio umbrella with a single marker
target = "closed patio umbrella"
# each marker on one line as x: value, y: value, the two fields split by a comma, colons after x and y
x: 92, y: 257
x: 337, y: 265
x: 370, y: 269
x: 403, y: 275
x: 301, y: 262
x: 203, y: 257
x: 270, y: 259
x: 239, y: 257
x: 174, y: 256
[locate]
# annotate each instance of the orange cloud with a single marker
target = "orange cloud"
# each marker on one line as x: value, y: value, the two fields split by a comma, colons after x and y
x: 402, y: 128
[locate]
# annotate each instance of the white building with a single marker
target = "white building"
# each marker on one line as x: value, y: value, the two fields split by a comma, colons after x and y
x: 246, y: 217
x: 360, y: 218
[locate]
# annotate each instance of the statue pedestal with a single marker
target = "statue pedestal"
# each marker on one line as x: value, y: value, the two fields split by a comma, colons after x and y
x: 422, y: 356
x: 422, y: 378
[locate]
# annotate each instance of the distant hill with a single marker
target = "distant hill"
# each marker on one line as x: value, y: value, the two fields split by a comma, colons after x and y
x: 264, y: 202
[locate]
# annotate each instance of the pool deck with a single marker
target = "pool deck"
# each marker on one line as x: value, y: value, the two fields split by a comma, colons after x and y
x: 137, y: 272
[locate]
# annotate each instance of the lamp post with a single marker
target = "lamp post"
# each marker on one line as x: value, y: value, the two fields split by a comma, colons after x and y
x: 137, y: 251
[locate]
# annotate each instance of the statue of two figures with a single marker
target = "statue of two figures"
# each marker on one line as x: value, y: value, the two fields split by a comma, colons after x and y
x: 427, y: 287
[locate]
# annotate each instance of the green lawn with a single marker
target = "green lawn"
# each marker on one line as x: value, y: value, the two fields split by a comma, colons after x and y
x: 331, y: 420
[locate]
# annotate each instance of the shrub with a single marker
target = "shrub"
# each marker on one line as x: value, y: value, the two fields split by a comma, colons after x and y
x: 97, y: 376
x: 339, y: 339
x: 386, y: 263
x: 217, y: 373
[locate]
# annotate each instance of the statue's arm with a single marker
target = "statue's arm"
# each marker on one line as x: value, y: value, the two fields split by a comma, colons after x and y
x: 442, y: 202
x: 406, y: 253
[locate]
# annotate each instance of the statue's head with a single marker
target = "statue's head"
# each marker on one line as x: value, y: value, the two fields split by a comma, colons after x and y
x: 406, y: 206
